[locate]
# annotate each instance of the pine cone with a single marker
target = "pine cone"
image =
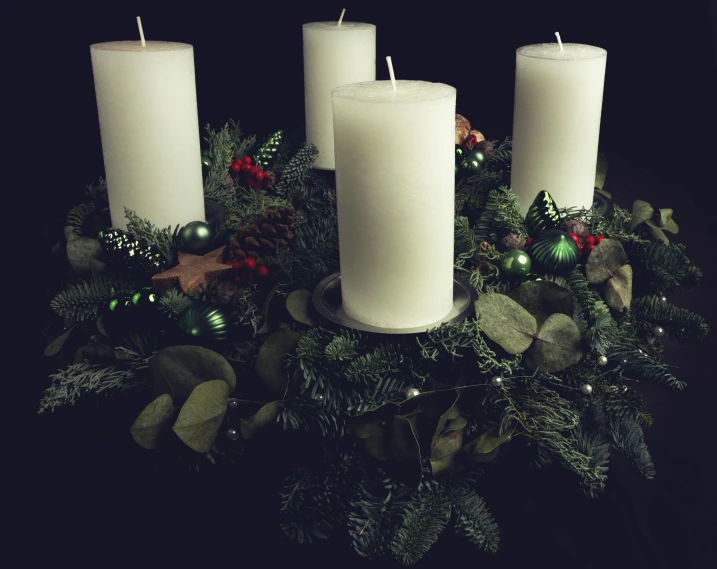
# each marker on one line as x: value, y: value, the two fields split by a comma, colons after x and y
x: 270, y: 232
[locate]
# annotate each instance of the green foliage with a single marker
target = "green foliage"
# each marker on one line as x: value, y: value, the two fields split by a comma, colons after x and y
x: 86, y: 299
x: 165, y: 241
x: 475, y: 522
x: 294, y: 174
x: 77, y: 216
x: 627, y: 437
x: 679, y: 323
x: 501, y: 215
x: 174, y: 302
x: 638, y: 364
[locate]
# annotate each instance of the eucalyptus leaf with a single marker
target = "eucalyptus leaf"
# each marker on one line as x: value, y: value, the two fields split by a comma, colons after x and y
x: 618, y: 292
x: 506, y: 322
x: 54, y: 347
x: 662, y: 216
x: 265, y: 320
x: 81, y: 251
x: 270, y: 361
x: 101, y: 326
x: 600, y: 171
x: 641, y: 212
x: 671, y: 226
x: 488, y: 441
x: 428, y: 412
x: 485, y: 457
x: 543, y: 298
x: 297, y: 303
x: 605, y: 260
x: 405, y: 451
x: 177, y: 370
x: 656, y: 232
x: 201, y: 416
x: 445, y: 453
x: 557, y: 345
x: 266, y: 415
x: 368, y: 424
x: 151, y: 422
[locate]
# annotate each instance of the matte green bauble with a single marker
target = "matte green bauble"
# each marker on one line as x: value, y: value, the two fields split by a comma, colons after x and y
x: 195, y: 236
x: 554, y: 251
x: 542, y: 214
x: 206, y: 160
x: 473, y: 161
x: 515, y: 264
x: 117, y: 316
x: 205, y: 320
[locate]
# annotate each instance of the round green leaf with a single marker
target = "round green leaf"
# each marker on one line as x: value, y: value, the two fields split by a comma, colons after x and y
x: 297, y: 303
x: 177, y: 370
x: 506, y: 322
x: 266, y: 415
x: 201, y: 416
x: 618, y: 291
x: 641, y: 212
x: 151, y: 421
x: 270, y: 361
x: 605, y: 260
x: 543, y: 298
x: 557, y: 345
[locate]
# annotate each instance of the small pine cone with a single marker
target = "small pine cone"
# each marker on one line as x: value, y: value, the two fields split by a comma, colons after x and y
x: 270, y: 232
x: 513, y: 241
x: 486, y: 148
x: 576, y: 226
x: 225, y: 292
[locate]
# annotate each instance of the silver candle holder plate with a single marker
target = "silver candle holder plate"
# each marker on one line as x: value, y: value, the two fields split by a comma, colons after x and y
x: 327, y: 301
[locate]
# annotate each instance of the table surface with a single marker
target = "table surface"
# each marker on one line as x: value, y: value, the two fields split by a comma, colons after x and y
x: 90, y: 504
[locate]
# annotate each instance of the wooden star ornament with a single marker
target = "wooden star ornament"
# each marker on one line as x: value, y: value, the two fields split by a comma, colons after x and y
x: 193, y: 272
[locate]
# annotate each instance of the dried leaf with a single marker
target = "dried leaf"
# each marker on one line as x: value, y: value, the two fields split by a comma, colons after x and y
x: 445, y: 453
x: 600, y: 172
x: 81, y: 251
x: 265, y: 321
x: 605, y: 261
x: 201, y: 416
x: 177, y: 370
x: 641, y: 212
x: 557, y: 345
x: 488, y: 441
x: 270, y: 361
x: 543, y: 298
x: 618, y: 292
x: 506, y: 322
x: 151, y: 422
x: 54, y: 347
x: 297, y: 303
x: 266, y: 415
x: 405, y: 464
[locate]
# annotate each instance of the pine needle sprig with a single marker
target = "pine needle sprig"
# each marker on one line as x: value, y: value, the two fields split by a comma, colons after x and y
x: 86, y: 299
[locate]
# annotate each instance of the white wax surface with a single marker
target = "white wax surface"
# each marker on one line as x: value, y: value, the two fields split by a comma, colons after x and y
x: 333, y: 56
x: 395, y: 183
x: 147, y: 106
x: 556, y: 122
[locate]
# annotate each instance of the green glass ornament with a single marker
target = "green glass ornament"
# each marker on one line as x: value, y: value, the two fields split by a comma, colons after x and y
x: 515, y: 264
x: 554, y: 251
x: 460, y: 154
x: 123, y: 249
x: 195, y: 236
x: 205, y: 320
x: 268, y: 150
x: 206, y: 159
x: 117, y: 315
x: 542, y: 214
x: 145, y: 299
x: 473, y: 161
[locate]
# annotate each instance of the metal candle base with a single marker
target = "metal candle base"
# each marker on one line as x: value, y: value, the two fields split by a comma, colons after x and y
x: 327, y: 301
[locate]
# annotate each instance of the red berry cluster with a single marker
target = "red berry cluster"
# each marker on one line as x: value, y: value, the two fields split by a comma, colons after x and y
x: 587, y: 244
x: 251, y: 173
x: 248, y: 270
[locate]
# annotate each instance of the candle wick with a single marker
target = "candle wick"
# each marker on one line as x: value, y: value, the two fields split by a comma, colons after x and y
x: 560, y: 43
x: 141, y: 32
x: 341, y: 19
x: 391, y: 73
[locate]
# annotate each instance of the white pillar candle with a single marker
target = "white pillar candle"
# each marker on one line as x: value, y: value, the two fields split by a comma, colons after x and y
x: 334, y: 55
x: 395, y: 183
x: 147, y: 106
x: 556, y: 123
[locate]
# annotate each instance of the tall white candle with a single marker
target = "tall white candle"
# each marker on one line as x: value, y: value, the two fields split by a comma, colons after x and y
x: 335, y: 54
x: 147, y: 106
x: 395, y: 186
x: 556, y: 123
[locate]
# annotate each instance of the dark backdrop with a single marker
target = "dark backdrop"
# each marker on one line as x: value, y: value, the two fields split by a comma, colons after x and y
x: 94, y: 497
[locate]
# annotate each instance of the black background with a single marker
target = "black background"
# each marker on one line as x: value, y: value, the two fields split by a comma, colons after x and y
x: 93, y: 498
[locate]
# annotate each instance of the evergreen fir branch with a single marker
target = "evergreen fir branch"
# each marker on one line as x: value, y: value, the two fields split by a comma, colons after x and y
x: 640, y: 365
x: 502, y: 158
x: 98, y: 190
x: 373, y: 367
x: 475, y: 522
x: 342, y: 346
x: 242, y: 352
x: 86, y: 299
x: 600, y: 330
x: 77, y: 215
x: 472, y: 192
x: 421, y: 524
x: 592, y: 444
x: 679, y: 323
x: 627, y: 437
x: 309, y: 416
x: 224, y: 146
x: 293, y: 175
x: 251, y: 203
x: 86, y: 378
x: 661, y: 269
x: 300, y: 519
x: 454, y: 340
x: 246, y: 312
x: 173, y: 302
x: 164, y: 240
x: 621, y: 402
x: 501, y: 215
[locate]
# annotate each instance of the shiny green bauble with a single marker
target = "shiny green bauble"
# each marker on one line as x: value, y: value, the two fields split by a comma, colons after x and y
x: 205, y: 320
x: 195, y: 236
x: 206, y: 160
x: 145, y: 299
x: 554, y: 252
x: 473, y: 161
x: 117, y: 316
x: 515, y: 264
x: 460, y: 154
x: 542, y: 214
